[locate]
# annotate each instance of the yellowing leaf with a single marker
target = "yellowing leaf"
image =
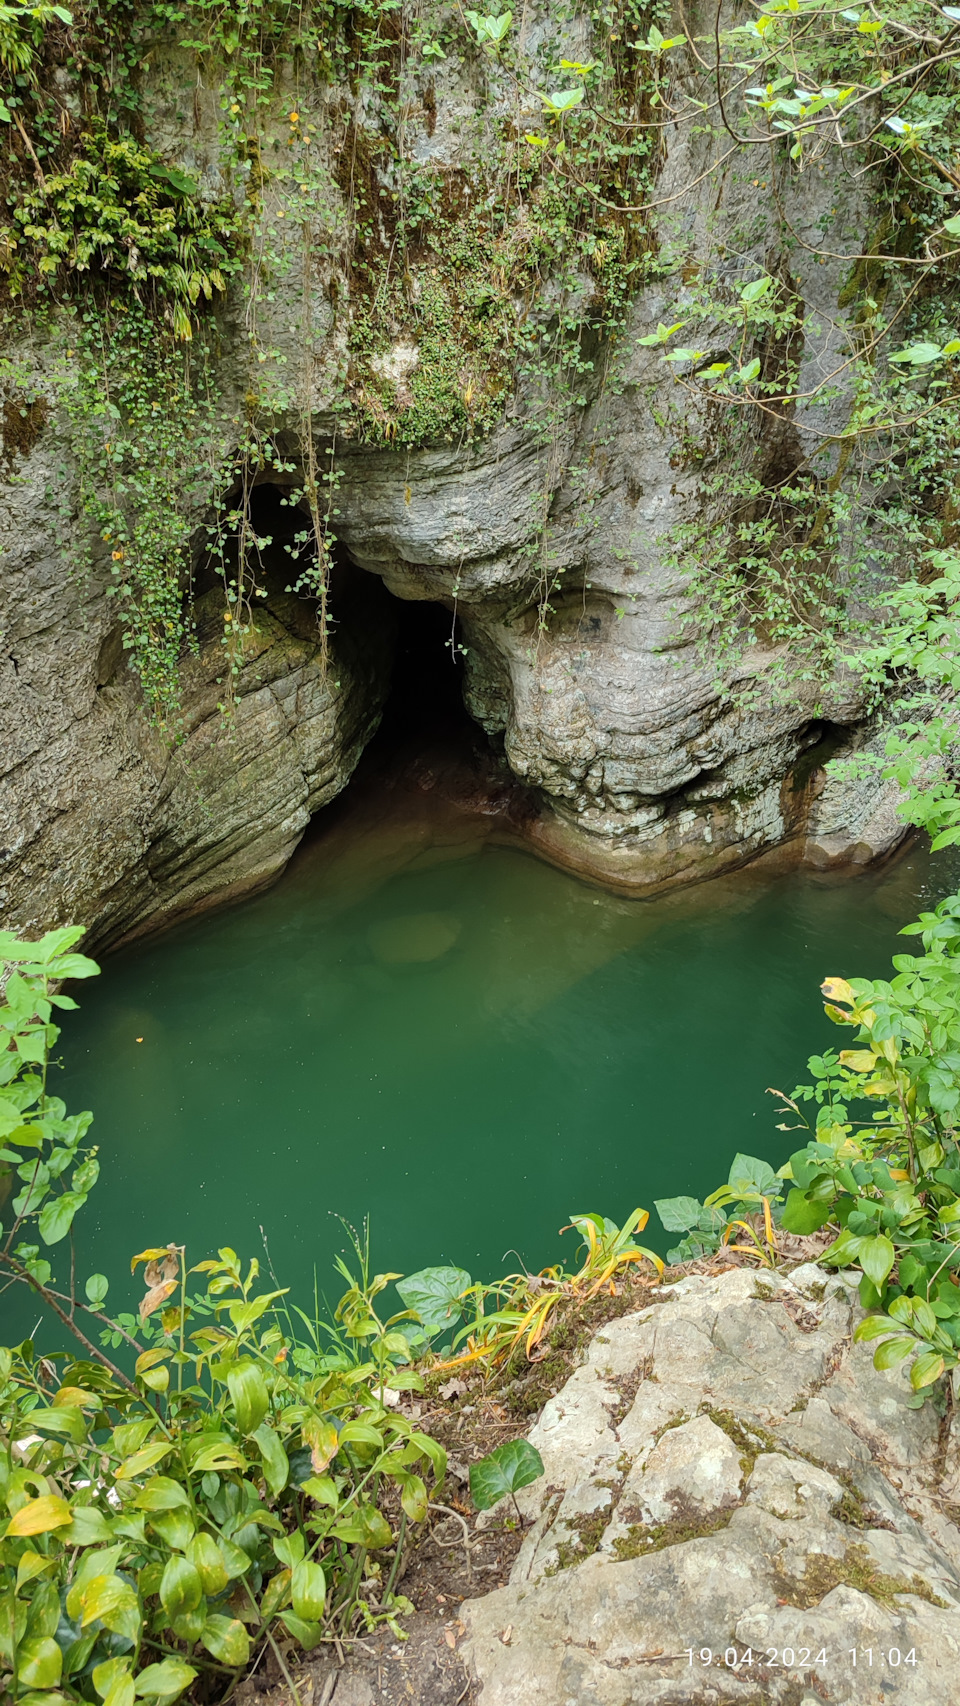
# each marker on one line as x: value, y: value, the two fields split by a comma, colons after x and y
x: 323, y: 1440
x: 837, y: 989
x: 39, y: 1516
x: 148, y: 1256
x: 858, y: 1059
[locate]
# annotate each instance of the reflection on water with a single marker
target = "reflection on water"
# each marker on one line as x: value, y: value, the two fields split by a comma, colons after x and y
x: 446, y: 1034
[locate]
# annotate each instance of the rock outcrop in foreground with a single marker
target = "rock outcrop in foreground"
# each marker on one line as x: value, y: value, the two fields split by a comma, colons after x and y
x: 736, y: 1507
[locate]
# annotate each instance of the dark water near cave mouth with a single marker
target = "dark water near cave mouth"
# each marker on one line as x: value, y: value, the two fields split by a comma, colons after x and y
x: 455, y: 1039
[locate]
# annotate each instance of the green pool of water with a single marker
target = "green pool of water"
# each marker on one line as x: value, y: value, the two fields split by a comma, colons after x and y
x: 456, y: 1040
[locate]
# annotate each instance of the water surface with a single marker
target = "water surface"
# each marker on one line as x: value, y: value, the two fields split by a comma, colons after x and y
x: 453, y: 1038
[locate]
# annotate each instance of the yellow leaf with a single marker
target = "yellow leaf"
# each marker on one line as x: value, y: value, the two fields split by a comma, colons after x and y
x: 837, y: 989
x: 41, y: 1515
x: 323, y: 1440
x: 148, y: 1256
x: 858, y: 1059
x: 78, y: 1398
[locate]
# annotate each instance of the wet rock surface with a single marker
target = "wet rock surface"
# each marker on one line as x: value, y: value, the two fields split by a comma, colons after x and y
x: 735, y: 1504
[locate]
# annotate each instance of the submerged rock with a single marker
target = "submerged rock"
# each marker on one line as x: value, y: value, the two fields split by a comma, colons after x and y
x: 737, y: 1507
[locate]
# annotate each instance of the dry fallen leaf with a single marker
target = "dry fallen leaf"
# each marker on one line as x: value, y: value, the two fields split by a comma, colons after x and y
x: 452, y: 1388
x: 450, y: 1638
x: 506, y: 1635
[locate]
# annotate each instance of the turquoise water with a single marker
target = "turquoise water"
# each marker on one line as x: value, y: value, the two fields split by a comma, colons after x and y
x: 455, y: 1039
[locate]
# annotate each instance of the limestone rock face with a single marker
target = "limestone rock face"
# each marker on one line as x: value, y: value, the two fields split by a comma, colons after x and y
x: 552, y: 543
x: 102, y: 822
x: 735, y: 1503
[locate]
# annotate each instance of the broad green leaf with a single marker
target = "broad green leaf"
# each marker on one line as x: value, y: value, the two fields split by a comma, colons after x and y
x: 747, y: 1173
x: 893, y: 1351
x: 434, y: 1294
x: 161, y: 1494
x: 60, y: 1419
x: 513, y: 1465
x: 876, y: 1258
x: 308, y: 1634
x: 113, y: 1602
x: 678, y: 1214
x: 753, y: 292
x: 30, y: 1565
x: 801, y: 1216
x: 236, y: 1561
x: 226, y: 1639
x: 251, y: 1399
x: 276, y: 1466
x: 56, y: 1216
x: 308, y: 1590
x: 175, y: 1527
x: 413, y: 1497
x: 88, y: 1528
x: 181, y: 1589
x: 165, y: 1682
x: 207, y: 1559
x: 144, y: 1459
x: 290, y: 1548
x: 40, y: 1662
x: 109, y: 1672
x: 222, y: 1454
x: 926, y: 1370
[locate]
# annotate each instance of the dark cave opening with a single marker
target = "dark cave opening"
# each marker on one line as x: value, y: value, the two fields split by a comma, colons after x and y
x: 426, y: 737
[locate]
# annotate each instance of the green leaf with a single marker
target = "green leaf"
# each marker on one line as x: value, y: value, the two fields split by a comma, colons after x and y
x: 181, y: 1589
x: 96, y: 1288
x: 308, y: 1634
x: 876, y: 1258
x: 249, y: 1393
x: 207, y: 1559
x: 926, y: 1370
x: 40, y: 1662
x: 226, y: 1639
x: 88, y: 1528
x: 753, y: 292
x: 435, y: 1295
x: 56, y: 1216
x: 175, y: 1527
x: 801, y: 1216
x: 748, y: 1174
x: 276, y: 1466
x: 513, y: 1465
x: 678, y: 1214
x: 161, y: 1494
x: 413, y: 1497
x: 165, y: 1682
x: 893, y: 1351
x: 308, y: 1590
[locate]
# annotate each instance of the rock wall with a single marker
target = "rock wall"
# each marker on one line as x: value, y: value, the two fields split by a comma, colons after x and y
x: 551, y: 547
x: 737, y: 1507
x: 105, y: 823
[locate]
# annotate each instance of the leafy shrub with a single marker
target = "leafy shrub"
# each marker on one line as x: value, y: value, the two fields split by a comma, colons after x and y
x: 234, y: 1488
x: 121, y: 211
x: 889, y: 1184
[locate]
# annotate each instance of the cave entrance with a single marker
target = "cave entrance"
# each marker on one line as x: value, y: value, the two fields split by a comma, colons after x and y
x: 426, y: 736
x: 425, y: 701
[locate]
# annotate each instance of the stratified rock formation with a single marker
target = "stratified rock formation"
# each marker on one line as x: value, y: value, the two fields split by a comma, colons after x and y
x: 737, y: 1507
x: 550, y: 536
